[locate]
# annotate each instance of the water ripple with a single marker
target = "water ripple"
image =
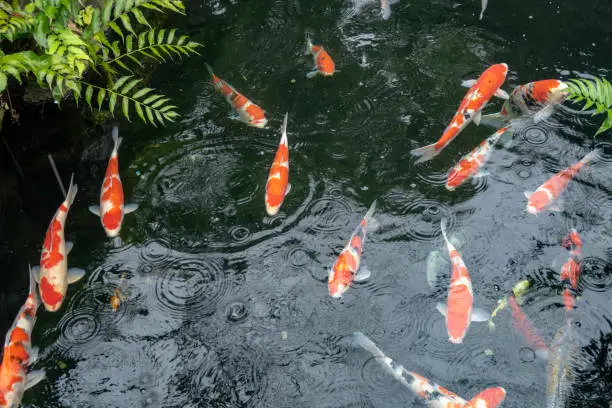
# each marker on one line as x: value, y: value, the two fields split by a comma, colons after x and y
x: 596, y: 274
x: 330, y: 213
x: 156, y: 252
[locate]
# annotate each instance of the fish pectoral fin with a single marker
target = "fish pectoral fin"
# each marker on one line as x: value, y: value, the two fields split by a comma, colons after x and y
x: 480, y: 315
x: 36, y: 273
x: 495, y: 120
x: 373, y: 224
x: 94, y: 209
x: 234, y: 116
x: 312, y: 74
x: 128, y: 208
x: 75, y: 274
x: 441, y: 307
x: 528, y: 194
x: 477, y: 118
x: 500, y: 93
x: 362, y: 274
x: 482, y: 173
x: 69, y: 246
x: 543, y: 114
x: 288, y: 189
x: 34, y: 377
x: 468, y: 83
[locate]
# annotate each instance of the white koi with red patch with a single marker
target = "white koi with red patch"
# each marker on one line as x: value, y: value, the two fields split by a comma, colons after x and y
x: 547, y: 195
x: 111, y: 195
x: 18, y: 353
x: 459, y: 309
x: 435, y: 395
x: 53, y: 275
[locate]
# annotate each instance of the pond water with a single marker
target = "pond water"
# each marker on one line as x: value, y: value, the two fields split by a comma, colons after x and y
x: 224, y: 306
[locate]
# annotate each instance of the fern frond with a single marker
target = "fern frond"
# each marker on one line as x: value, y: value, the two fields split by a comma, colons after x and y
x: 151, y: 107
x: 594, y: 93
x: 115, y: 12
x: 153, y: 44
x: 13, y: 21
x: 17, y: 64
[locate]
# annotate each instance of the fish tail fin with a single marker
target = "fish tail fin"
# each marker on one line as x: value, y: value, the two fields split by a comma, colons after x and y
x: 363, y: 341
x: 284, y: 136
x: 116, y: 138
x: 426, y: 152
x: 370, y: 213
x: 57, y: 176
x: 443, y: 223
x: 308, y: 45
x: 72, y: 191
x: 592, y: 157
x: 209, y: 69
x: 32, y: 281
x: 496, y: 120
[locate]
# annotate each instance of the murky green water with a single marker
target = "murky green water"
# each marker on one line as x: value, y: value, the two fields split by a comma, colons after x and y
x: 212, y: 284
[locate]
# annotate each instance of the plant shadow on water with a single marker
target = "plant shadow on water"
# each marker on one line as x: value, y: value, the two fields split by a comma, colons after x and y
x: 223, y: 305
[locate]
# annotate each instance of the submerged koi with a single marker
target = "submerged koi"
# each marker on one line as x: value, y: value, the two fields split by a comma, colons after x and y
x: 475, y: 100
x: 245, y: 110
x: 115, y: 300
x: 571, y: 270
x: 19, y: 354
x: 459, y: 311
x: 560, y: 373
x: 323, y: 63
x: 525, y: 326
x: 53, y: 275
x: 111, y: 209
x: 385, y: 8
x: 547, y: 195
x: 471, y: 163
x: 347, y: 269
x: 277, y: 186
x: 536, y: 99
x: 435, y: 395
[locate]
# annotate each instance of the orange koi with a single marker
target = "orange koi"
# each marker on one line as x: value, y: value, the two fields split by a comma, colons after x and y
x: 471, y: 163
x: 547, y: 195
x: 459, y: 310
x: 244, y: 109
x: 346, y: 268
x: 435, y: 395
x: 53, y: 275
x: 111, y: 209
x: 479, y: 94
x: 115, y: 300
x: 525, y: 326
x: 571, y: 270
x: 19, y: 354
x: 323, y: 63
x: 277, y: 186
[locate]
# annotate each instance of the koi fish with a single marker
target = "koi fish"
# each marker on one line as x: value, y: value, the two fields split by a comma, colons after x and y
x: 323, y: 63
x: 53, y: 275
x: 571, y: 270
x: 483, y: 7
x: 244, y: 109
x: 19, y: 354
x: 536, y: 99
x: 525, y: 326
x: 435, y: 395
x: 111, y: 209
x: 277, y: 186
x: 560, y: 374
x: 346, y: 268
x: 470, y: 109
x: 547, y: 195
x: 471, y: 163
x: 459, y: 311
x: 385, y: 8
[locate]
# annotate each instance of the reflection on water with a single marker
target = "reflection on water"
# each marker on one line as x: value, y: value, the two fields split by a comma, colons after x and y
x: 225, y: 306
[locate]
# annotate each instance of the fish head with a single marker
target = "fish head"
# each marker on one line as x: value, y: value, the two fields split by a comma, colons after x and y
x: 336, y: 289
x: 272, y: 210
x: 456, y: 177
x: 537, y: 202
x: 492, y: 79
x: 339, y: 280
x: 489, y: 398
x: 549, y: 91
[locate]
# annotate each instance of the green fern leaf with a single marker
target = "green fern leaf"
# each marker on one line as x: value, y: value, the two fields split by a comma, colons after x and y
x: 88, y: 95
x: 127, y: 23
x: 120, y: 82
x: 140, y: 112
x: 596, y: 92
x: 101, y: 95
x: 116, y: 29
x: 140, y: 17
x: 125, y: 105
x: 3, y: 81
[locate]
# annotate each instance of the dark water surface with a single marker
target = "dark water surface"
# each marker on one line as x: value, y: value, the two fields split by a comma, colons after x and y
x: 227, y: 307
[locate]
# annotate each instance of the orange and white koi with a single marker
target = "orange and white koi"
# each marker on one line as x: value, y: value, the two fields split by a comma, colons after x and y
x: 244, y: 109
x: 470, y: 109
x: 347, y: 269
x: 435, y: 395
x: 525, y: 326
x: 571, y: 270
x: 547, y: 195
x: 471, y: 163
x: 19, y: 354
x: 277, y: 186
x: 536, y: 99
x: 53, y: 275
x: 385, y: 8
x: 459, y: 309
x: 323, y: 62
x: 111, y: 209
